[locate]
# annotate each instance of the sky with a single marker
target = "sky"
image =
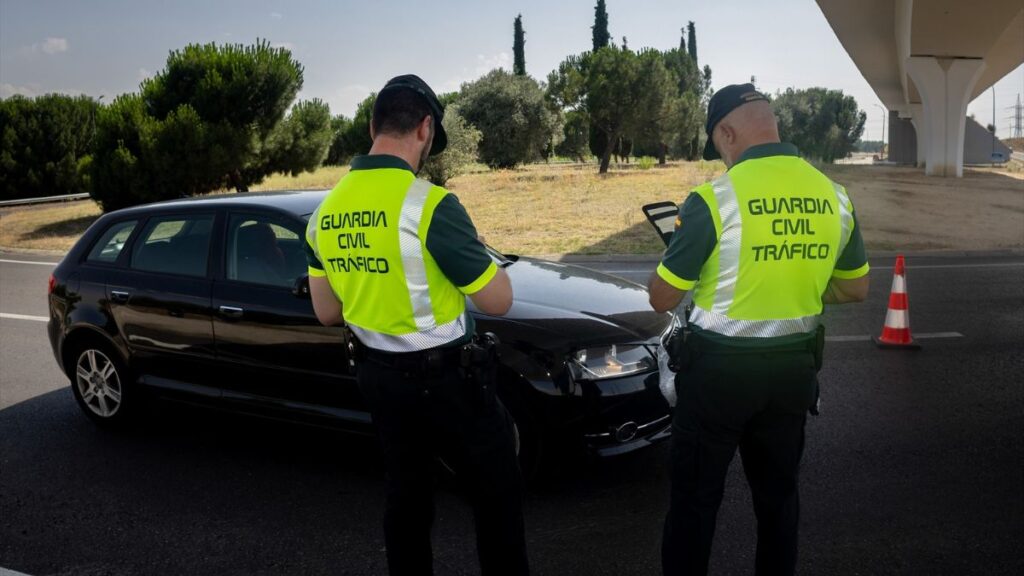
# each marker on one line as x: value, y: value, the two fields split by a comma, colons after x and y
x: 348, y: 49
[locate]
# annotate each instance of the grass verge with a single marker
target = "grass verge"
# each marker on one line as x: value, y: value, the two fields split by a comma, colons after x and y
x: 570, y: 209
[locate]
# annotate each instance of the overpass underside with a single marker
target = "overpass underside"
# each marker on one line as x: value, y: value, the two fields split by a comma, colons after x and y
x: 928, y: 59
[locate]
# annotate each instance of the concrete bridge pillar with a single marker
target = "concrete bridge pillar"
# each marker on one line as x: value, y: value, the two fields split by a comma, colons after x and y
x: 945, y: 85
x: 916, y: 112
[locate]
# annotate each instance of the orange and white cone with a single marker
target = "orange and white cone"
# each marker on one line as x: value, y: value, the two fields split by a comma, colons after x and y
x: 896, y: 331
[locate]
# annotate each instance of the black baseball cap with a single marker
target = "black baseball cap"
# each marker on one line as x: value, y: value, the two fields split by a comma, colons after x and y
x: 416, y: 84
x: 724, y: 101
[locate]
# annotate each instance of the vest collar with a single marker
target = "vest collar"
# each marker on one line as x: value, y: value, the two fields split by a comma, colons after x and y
x: 376, y: 161
x: 766, y: 150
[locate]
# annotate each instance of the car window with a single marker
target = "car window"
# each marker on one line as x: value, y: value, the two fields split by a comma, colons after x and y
x: 264, y: 250
x: 110, y: 244
x: 174, y: 245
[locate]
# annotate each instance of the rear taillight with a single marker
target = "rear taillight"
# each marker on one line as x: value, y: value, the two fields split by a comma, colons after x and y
x: 52, y: 284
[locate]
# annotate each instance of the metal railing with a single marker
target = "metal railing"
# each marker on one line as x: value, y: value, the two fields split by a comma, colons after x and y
x: 43, y: 200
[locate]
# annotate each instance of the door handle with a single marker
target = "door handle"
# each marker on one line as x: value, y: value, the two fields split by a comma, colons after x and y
x: 120, y: 296
x: 176, y: 313
x: 231, y: 311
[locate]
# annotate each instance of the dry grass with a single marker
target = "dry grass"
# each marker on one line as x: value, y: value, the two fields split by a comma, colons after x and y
x: 570, y: 209
x: 48, y: 226
x: 325, y: 177
x: 561, y: 209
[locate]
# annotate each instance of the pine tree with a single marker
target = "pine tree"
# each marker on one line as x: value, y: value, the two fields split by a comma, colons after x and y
x: 692, y: 43
x: 519, y: 64
x: 600, y: 27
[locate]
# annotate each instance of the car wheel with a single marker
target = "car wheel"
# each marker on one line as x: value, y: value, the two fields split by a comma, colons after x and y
x: 100, y: 382
x: 528, y: 441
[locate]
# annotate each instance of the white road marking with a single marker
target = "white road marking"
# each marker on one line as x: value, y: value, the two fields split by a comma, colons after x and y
x: 922, y: 336
x: 645, y: 270
x: 7, y: 572
x: 941, y: 266
x: 29, y: 262
x: 24, y: 317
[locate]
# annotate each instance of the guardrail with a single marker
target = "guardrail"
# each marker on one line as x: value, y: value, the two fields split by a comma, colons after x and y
x: 44, y: 200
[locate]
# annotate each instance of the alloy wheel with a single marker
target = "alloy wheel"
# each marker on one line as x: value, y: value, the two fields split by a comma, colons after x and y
x: 98, y: 382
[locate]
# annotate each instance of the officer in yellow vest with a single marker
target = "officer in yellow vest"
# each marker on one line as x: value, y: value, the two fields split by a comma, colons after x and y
x: 394, y: 257
x: 762, y: 248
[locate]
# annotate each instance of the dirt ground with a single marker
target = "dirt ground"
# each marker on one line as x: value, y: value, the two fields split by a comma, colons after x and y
x: 899, y: 208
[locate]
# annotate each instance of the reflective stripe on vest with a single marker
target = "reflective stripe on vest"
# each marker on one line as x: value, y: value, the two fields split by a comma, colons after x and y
x: 788, y: 235
x: 430, y: 335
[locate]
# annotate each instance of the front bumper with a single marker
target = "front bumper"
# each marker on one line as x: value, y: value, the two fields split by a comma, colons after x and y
x: 629, y: 437
x: 625, y: 414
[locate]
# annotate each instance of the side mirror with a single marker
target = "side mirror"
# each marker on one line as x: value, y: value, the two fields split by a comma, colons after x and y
x: 301, y: 287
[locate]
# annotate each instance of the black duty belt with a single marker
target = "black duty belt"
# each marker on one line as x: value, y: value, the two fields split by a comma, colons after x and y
x: 422, y: 360
x: 704, y: 345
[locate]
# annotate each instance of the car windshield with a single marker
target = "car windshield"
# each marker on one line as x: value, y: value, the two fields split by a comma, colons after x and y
x: 500, y: 259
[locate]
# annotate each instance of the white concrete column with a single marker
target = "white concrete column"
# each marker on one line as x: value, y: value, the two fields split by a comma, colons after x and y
x: 945, y: 85
x: 916, y: 112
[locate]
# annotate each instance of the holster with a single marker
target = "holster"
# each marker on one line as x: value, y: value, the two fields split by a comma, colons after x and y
x: 479, y: 368
x: 679, y: 354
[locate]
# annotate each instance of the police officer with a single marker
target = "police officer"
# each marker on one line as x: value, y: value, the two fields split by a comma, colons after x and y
x: 393, y: 257
x: 762, y: 248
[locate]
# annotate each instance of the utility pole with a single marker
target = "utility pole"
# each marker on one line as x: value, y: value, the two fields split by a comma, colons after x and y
x: 1016, y: 120
x: 992, y: 157
x: 881, y: 153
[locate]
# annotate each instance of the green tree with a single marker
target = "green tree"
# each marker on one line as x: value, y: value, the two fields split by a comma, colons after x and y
x: 463, y: 140
x: 824, y: 124
x: 46, y: 145
x: 244, y: 91
x: 357, y: 136
x: 607, y: 87
x: 514, y: 120
x: 518, y: 47
x: 338, y: 153
x: 575, y: 137
x: 691, y: 48
x: 300, y: 142
x: 209, y: 120
x: 600, y: 34
x: 668, y: 110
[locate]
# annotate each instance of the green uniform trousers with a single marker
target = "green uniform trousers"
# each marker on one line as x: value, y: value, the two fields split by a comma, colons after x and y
x: 754, y: 400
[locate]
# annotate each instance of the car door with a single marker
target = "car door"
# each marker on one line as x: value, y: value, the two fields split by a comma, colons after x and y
x: 161, y: 301
x: 267, y: 335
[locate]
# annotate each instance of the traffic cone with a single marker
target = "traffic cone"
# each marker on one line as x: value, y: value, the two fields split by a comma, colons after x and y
x: 896, y: 331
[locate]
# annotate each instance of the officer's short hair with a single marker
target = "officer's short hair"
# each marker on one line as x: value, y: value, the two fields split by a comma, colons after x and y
x: 398, y: 111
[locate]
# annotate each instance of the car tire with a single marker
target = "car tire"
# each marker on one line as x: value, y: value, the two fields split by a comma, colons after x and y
x: 101, y: 384
x: 529, y: 440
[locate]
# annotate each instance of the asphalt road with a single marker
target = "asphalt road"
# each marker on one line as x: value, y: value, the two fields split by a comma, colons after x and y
x: 914, y: 467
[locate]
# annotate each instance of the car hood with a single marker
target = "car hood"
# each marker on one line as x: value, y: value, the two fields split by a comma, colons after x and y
x: 580, y: 305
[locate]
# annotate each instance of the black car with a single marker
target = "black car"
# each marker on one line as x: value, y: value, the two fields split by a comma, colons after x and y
x: 207, y: 300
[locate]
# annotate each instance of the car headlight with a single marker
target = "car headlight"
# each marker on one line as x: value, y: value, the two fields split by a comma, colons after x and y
x: 611, y: 361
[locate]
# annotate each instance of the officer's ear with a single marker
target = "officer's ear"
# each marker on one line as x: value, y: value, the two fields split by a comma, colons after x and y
x: 423, y: 130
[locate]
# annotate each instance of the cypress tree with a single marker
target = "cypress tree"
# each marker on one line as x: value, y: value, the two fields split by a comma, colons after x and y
x: 518, y: 44
x: 600, y: 27
x: 682, y: 40
x: 692, y: 47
